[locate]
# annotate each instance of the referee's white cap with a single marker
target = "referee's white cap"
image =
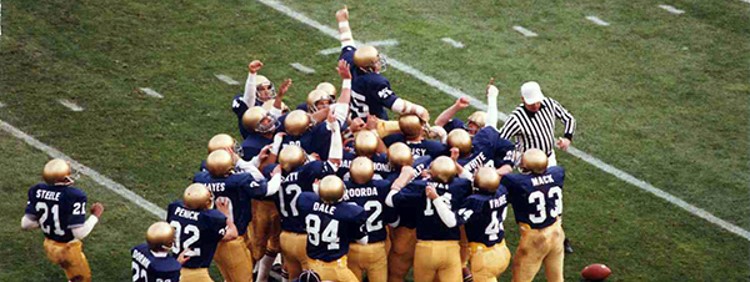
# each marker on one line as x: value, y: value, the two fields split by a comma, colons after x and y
x: 531, y: 92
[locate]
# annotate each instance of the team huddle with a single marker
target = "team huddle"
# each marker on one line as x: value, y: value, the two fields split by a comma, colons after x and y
x: 340, y: 193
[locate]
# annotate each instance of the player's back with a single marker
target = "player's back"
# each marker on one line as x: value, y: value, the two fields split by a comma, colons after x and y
x: 484, y: 215
x: 536, y: 198
x: 58, y: 209
x: 420, y: 148
x: 199, y: 231
x: 239, y: 188
x: 330, y: 227
x: 253, y: 144
x: 371, y: 197
x: 428, y: 222
x: 292, y: 185
x: 379, y: 162
x: 149, y: 268
x: 488, y: 149
x: 371, y: 93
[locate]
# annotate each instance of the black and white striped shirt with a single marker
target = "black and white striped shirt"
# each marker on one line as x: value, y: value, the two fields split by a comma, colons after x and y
x: 537, y: 130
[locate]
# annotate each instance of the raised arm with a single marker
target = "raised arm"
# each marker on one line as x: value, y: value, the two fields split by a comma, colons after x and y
x: 491, y: 104
x: 450, y: 112
x: 250, y: 87
x: 345, y: 32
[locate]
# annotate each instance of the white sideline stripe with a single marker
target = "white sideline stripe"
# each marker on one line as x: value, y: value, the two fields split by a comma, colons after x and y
x: 70, y: 105
x: 746, y: 1
x: 480, y: 105
x: 2, y: 105
x: 672, y: 9
x: 526, y: 32
x: 302, y: 68
x: 151, y: 92
x: 452, y: 42
x: 226, y: 79
x: 108, y: 183
x: 336, y: 50
x: 597, y: 20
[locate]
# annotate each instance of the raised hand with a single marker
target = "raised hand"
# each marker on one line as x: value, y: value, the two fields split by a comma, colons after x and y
x: 97, y: 209
x: 431, y: 192
x: 254, y: 66
x: 343, y: 70
x: 462, y: 103
x: 285, y: 86
x: 342, y: 15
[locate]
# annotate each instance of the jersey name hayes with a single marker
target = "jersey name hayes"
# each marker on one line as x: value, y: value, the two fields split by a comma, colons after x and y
x: 324, y: 208
x: 48, y: 195
x: 215, y: 187
x: 360, y: 192
x: 499, y: 202
x: 541, y: 180
x: 192, y: 215
x: 438, y: 185
x: 141, y: 258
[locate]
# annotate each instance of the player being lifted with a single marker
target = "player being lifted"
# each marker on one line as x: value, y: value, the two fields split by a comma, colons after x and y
x: 152, y: 261
x: 59, y: 209
x: 331, y: 225
x: 198, y: 229
x: 537, y: 199
x: 484, y: 213
x: 371, y: 91
x: 258, y: 90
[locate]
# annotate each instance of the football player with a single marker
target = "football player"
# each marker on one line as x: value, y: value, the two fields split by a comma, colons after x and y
x: 537, y: 198
x: 258, y: 89
x: 233, y: 258
x: 413, y: 134
x: 366, y: 144
x: 326, y: 87
x: 152, y: 261
x: 59, y: 209
x: 222, y: 141
x: 371, y: 91
x: 483, y: 214
x: 369, y: 194
x: 435, y: 200
x: 198, y: 229
x: 474, y: 122
x: 331, y: 225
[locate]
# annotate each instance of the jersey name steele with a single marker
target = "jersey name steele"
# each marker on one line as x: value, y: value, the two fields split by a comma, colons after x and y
x: 360, y: 192
x: 141, y: 258
x: 192, y: 215
x: 542, y: 180
x: 499, y: 202
x: 47, y: 195
x: 324, y: 208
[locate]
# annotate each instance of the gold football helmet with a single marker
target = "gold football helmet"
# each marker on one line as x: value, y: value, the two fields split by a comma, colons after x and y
x: 486, y: 179
x: 57, y: 172
x: 219, y: 163
x: 297, y: 122
x: 264, y: 88
x: 160, y: 236
x: 318, y: 96
x: 197, y: 197
x: 400, y: 155
x: 291, y: 157
x: 477, y: 119
x: 534, y: 160
x: 460, y: 139
x: 411, y: 126
x: 443, y: 169
x: 259, y: 120
x: 328, y: 88
x: 331, y: 189
x: 365, y: 143
x: 369, y: 59
x: 361, y: 170
x: 268, y: 105
x: 221, y: 141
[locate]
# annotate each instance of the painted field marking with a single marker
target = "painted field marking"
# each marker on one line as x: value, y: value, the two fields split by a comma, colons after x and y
x: 226, y: 79
x: 108, y: 183
x: 746, y: 1
x: 597, y: 20
x: 624, y: 176
x: 2, y: 105
x: 672, y: 9
x: 454, y: 43
x: 526, y: 32
x: 151, y: 92
x: 70, y: 105
x: 336, y: 50
x: 302, y: 68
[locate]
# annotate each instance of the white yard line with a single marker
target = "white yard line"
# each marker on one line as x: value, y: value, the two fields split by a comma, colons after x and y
x: 108, y: 183
x: 226, y: 79
x: 526, y: 32
x: 302, y: 68
x: 746, y: 1
x: 597, y: 20
x: 2, y: 105
x: 481, y: 105
x: 336, y: 50
x: 452, y: 42
x: 151, y: 92
x: 672, y: 9
x: 70, y: 105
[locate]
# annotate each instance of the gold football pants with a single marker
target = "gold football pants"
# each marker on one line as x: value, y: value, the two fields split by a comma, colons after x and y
x: 539, y: 246
x: 194, y: 275
x: 294, y: 253
x: 234, y: 260
x: 401, y: 255
x: 70, y: 257
x: 371, y: 259
x: 264, y: 229
x: 333, y: 271
x: 487, y: 263
x: 437, y: 261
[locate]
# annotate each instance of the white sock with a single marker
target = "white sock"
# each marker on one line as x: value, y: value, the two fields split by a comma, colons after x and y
x: 264, y: 267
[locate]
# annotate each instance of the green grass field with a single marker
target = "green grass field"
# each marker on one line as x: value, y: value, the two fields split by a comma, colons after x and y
x: 660, y: 96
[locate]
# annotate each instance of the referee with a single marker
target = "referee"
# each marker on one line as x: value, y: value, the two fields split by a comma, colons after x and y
x: 533, y: 126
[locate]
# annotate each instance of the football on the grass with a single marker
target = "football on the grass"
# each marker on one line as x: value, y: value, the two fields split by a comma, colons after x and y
x: 596, y: 272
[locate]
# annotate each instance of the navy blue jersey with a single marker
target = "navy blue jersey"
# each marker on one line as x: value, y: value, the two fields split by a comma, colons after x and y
x: 302, y: 106
x: 239, y: 108
x: 199, y: 231
x: 371, y: 196
x: 483, y: 216
x: 252, y: 145
x: 58, y: 209
x: 407, y: 216
x: 371, y: 92
x: 488, y: 149
x: 292, y: 185
x: 453, y: 124
x: 316, y: 140
x: 429, y: 224
x: 422, y: 148
x: 537, y: 199
x: 379, y: 162
x: 239, y: 188
x: 149, y: 268
x: 330, y: 227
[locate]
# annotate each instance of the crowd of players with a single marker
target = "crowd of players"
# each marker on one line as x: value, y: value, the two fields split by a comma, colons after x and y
x: 337, y: 191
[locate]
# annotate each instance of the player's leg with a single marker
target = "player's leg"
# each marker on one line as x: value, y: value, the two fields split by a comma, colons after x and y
x: 464, y: 243
x: 271, y: 240
x: 260, y: 227
x: 532, y: 249
x: 480, y: 263
x: 234, y: 260
x: 450, y: 265
x: 401, y: 256
x: 553, y: 263
x: 195, y: 275
x: 377, y: 267
x: 292, y: 265
x: 357, y: 259
x: 426, y: 259
x: 74, y: 262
